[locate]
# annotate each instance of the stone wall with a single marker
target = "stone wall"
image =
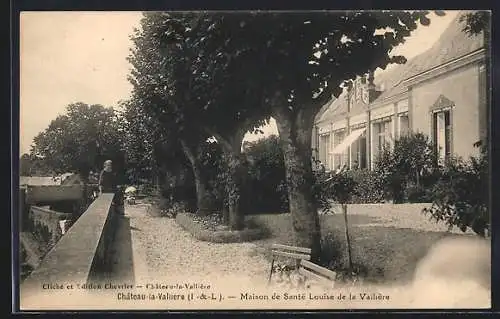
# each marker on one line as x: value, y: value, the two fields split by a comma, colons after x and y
x: 82, y: 254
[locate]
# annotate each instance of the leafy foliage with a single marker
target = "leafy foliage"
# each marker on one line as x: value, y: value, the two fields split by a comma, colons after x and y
x: 331, y: 188
x: 412, y: 161
x: 139, y: 130
x: 369, y: 187
x: 226, y: 73
x: 81, y: 140
x: 476, y: 22
x: 267, y: 191
x: 461, y: 195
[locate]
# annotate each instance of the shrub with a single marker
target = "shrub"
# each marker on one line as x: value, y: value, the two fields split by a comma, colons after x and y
x: 333, y: 187
x: 461, y: 195
x: 411, y: 161
x: 417, y: 194
x: 369, y: 187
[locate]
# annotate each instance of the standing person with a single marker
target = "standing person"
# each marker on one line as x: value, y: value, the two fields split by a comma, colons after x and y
x: 108, y: 183
x: 355, y: 165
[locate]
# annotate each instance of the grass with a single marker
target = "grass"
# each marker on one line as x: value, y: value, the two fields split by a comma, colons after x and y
x: 382, y: 253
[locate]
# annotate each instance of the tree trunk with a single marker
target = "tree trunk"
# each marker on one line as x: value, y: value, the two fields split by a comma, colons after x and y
x: 201, y: 183
x: 234, y: 161
x: 233, y: 189
x: 295, y: 132
x: 225, y: 214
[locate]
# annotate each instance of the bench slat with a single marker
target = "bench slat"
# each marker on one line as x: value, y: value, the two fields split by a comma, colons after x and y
x: 291, y: 255
x: 310, y: 274
x: 292, y: 248
x: 321, y: 270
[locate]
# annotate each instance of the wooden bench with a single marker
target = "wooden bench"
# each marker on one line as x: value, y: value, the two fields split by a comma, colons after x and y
x: 324, y: 276
x: 289, y: 252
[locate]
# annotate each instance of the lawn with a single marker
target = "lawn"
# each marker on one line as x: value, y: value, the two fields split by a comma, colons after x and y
x: 383, y: 246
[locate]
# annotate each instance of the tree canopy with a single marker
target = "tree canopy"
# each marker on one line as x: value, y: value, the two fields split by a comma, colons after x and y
x: 81, y: 140
x: 223, y: 74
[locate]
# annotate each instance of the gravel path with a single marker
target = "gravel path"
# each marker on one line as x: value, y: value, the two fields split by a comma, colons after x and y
x: 169, y: 251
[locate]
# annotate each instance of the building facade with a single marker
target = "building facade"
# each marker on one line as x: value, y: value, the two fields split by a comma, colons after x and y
x: 441, y: 93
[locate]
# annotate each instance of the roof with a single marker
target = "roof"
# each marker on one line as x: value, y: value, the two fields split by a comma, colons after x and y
x: 452, y: 44
x: 71, y: 179
x: 335, y: 108
x: 38, y: 180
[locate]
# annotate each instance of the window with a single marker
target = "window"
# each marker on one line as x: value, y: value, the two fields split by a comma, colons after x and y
x: 339, y: 159
x: 404, y: 125
x: 441, y: 131
x: 324, y: 149
x: 381, y: 134
x: 358, y: 152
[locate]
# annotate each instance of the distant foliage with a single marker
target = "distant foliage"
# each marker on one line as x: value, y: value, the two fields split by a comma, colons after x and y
x: 266, y: 177
x: 461, y: 195
x: 81, y: 140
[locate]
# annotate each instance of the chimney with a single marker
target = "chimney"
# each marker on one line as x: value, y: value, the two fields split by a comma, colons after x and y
x: 372, y: 89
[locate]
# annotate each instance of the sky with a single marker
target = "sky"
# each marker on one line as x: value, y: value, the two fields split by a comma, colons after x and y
x: 70, y: 56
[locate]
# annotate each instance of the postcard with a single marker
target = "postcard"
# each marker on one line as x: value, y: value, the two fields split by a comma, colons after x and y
x: 254, y: 160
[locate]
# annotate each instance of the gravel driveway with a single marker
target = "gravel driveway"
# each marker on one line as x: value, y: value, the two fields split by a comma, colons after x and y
x: 169, y: 251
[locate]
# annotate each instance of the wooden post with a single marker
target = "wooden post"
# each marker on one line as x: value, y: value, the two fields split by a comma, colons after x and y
x: 348, y: 240
x: 271, y: 272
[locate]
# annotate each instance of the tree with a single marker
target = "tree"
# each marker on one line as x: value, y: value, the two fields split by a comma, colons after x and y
x: 287, y: 65
x: 476, y: 22
x: 139, y: 131
x: 223, y: 107
x: 294, y: 63
x: 155, y: 93
x: 80, y: 140
x: 197, y: 97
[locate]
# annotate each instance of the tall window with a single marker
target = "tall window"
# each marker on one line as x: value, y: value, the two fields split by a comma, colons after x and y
x: 324, y: 149
x: 382, y: 132
x: 404, y: 125
x: 339, y: 159
x: 441, y: 132
x: 358, y: 152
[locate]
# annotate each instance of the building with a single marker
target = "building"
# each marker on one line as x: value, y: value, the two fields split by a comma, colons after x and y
x: 37, y: 180
x: 441, y: 92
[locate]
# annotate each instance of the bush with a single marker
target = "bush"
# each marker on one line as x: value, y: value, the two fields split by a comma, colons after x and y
x: 332, y: 187
x: 369, y: 188
x: 412, y: 161
x: 417, y: 194
x: 461, y: 195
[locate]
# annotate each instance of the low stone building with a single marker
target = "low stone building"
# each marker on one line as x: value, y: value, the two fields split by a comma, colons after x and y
x: 37, y: 180
x: 441, y: 92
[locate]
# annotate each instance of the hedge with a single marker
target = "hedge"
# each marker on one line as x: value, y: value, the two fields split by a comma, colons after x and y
x: 186, y: 221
